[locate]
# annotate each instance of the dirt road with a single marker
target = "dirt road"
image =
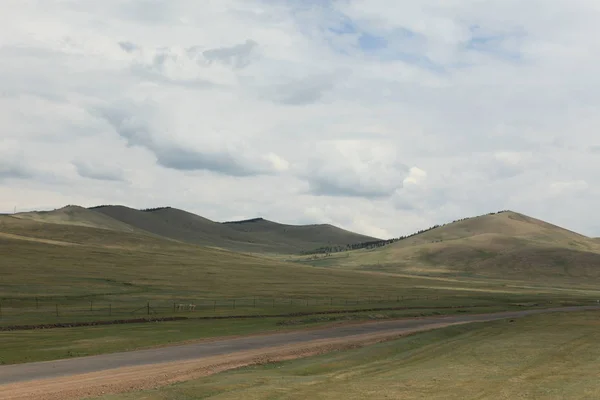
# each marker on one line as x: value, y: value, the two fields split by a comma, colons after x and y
x: 118, y: 372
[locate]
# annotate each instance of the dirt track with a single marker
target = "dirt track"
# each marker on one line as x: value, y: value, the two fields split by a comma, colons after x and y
x: 120, y: 372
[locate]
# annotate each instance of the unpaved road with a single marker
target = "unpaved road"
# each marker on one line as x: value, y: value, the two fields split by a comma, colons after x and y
x: 111, y: 373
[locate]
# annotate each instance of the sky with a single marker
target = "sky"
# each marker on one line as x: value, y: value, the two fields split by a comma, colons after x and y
x: 378, y: 116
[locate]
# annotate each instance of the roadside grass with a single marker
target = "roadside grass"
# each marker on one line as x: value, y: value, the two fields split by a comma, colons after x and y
x: 51, y: 344
x: 552, y: 356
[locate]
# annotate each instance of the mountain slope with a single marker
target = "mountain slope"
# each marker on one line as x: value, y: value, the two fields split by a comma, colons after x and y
x: 311, y: 235
x: 75, y: 215
x: 260, y: 236
x: 501, y: 245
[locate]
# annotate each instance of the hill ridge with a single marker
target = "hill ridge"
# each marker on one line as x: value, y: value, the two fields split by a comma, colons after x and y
x: 250, y: 235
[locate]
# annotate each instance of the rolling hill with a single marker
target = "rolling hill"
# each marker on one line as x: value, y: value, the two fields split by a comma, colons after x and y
x: 311, y: 236
x: 75, y: 215
x: 255, y: 236
x: 127, y: 264
x: 504, y: 245
x: 252, y: 236
x: 498, y: 245
x: 74, y: 262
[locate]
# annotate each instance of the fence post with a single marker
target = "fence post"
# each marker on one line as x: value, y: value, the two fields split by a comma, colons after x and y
x: 109, y: 309
x: 214, y: 305
x: 0, y: 309
x: 148, y: 307
x: 91, y: 305
x: 331, y: 301
x: 56, y: 305
x: 173, y: 306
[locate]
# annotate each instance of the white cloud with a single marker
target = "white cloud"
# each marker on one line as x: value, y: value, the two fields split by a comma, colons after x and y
x: 415, y: 176
x: 382, y: 116
x: 359, y: 168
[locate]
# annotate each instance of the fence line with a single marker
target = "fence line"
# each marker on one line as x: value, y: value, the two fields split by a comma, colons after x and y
x: 34, y: 309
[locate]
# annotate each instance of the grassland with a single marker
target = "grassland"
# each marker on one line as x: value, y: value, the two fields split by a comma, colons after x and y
x: 538, y: 357
x: 55, y: 270
x: 72, y: 265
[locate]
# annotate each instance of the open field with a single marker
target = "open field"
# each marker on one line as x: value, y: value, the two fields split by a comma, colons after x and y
x: 552, y: 356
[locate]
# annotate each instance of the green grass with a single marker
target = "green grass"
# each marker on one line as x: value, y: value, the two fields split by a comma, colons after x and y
x: 539, y: 357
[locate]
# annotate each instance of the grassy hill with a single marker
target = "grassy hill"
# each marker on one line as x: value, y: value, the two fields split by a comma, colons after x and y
x: 75, y: 215
x: 49, y: 259
x: 502, y: 245
x: 254, y: 236
x: 297, y: 236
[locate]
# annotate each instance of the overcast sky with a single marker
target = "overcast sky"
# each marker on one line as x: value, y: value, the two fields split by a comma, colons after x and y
x: 379, y: 116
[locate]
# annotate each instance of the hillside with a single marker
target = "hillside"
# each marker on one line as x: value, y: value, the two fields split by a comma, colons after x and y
x: 73, y: 261
x: 75, y: 215
x: 255, y: 237
x: 502, y: 245
x: 311, y: 236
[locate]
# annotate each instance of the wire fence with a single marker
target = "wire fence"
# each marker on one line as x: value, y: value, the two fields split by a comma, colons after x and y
x: 32, y: 310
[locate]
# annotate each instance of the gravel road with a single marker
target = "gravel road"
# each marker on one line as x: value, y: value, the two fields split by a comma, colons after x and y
x: 10, y: 374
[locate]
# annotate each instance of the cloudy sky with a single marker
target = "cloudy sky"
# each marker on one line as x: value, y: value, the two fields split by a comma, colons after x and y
x: 380, y: 116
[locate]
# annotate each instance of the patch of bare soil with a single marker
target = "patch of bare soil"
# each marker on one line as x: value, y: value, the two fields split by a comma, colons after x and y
x: 151, y: 376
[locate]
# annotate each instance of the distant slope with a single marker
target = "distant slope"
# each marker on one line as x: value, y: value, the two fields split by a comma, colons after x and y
x: 502, y: 245
x: 507, y: 224
x: 75, y: 215
x: 257, y: 236
x: 179, y: 225
x: 310, y: 235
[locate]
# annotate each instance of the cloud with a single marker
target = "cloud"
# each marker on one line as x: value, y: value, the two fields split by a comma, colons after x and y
x: 238, y: 56
x: 354, y: 168
x: 415, y: 176
x: 98, y: 171
x: 380, y: 115
x: 10, y: 171
x: 141, y: 126
x: 12, y: 164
